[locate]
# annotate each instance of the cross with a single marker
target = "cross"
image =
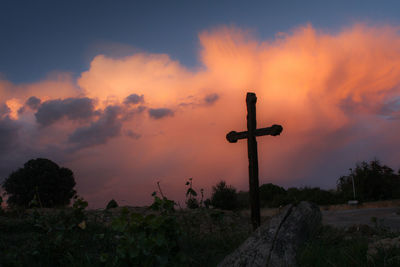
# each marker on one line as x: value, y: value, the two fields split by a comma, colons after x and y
x: 250, y: 135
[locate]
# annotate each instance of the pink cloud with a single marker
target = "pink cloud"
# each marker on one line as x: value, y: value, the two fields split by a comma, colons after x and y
x: 337, y: 96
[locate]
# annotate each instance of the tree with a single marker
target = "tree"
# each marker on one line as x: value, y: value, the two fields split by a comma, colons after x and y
x: 112, y: 204
x: 372, y: 181
x: 224, y: 197
x: 40, y: 179
x: 269, y: 193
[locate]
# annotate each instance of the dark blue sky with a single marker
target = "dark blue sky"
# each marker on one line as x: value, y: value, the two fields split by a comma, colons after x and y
x: 38, y: 37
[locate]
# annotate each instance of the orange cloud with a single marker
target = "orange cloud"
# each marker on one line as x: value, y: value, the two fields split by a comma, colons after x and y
x: 337, y: 96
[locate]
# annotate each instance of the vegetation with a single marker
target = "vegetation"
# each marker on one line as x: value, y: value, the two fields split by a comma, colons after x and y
x: 148, y: 240
x: 191, y: 196
x: 42, y: 180
x: 271, y: 195
x: 355, y: 246
x: 112, y: 204
x: 224, y: 197
x: 373, y: 181
x: 162, y: 235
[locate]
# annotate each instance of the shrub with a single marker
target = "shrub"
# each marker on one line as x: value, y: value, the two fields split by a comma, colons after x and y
x: 149, y: 240
x: 112, y: 204
x: 312, y: 194
x: 270, y: 192
x: 191, y: 196
x: 243, y: 200
x: 224, y: 197
x: 43, y: 179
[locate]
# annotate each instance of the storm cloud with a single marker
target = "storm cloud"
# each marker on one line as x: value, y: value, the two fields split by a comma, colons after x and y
x: 4, y: 110
x: 8, y: 134
x: 159, y: 113
x: 33, y: 102
x: 211, y: 98
x: 72, y: 108
x: 134, y: 99
x: 100, y: 131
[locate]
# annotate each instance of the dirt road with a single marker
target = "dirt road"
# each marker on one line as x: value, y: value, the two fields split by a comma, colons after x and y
x: 387, y: 217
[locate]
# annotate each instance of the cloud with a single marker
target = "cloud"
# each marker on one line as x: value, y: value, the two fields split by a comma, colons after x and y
x: 72, y: 108
x: 134, y: 99
x: 100, y: 131
x: 4, y: 110
x: 335, y: 94
x: 211, y: 98
x: 159, y: 113
x: 132, y: 134
x: 33, y: 102
x: 8, y: 134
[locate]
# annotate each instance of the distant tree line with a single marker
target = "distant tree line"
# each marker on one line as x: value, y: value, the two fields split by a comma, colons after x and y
x: 41, y: 182
x: 373, y: 181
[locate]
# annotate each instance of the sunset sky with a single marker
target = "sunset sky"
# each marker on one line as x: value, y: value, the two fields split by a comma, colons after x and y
x: 128, y: 93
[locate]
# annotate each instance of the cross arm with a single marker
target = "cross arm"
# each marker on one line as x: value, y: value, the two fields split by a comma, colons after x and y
x: 274, y: 130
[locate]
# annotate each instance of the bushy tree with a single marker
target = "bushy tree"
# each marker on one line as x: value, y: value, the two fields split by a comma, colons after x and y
x: 373, y: 181
x: 224, y: 197
x: 270, y: 193
x: 112, y: 204
x: 40, y: 179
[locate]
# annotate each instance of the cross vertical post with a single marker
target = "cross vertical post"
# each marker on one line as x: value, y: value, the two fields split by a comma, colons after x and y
x: 251, y: 100
x: 250, y: 135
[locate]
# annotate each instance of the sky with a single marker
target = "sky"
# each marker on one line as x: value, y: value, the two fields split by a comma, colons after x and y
x: 130, y: 93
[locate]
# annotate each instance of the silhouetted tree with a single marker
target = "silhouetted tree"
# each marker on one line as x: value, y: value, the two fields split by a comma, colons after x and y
x: 269, y: 192
x: 224, y: 197
x: 41, y: 179
x: 372, y: 180
x: 112, y: 204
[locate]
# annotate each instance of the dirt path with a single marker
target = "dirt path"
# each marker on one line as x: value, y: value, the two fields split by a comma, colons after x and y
x: 343, y: 218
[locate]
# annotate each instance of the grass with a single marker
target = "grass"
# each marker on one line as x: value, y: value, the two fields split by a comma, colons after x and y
x: 207, y: 236
x: 342, y: 248
x: 54, y: 238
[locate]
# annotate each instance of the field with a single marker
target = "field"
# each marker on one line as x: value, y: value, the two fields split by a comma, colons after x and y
x: 76, y: 237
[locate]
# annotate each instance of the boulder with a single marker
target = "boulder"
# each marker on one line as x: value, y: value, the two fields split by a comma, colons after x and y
x: 275, y: 243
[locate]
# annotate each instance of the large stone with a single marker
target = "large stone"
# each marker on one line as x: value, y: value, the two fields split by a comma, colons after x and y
x: 276, y: 242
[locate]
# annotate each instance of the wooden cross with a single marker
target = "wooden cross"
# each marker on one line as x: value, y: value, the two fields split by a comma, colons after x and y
x: 250, y: 135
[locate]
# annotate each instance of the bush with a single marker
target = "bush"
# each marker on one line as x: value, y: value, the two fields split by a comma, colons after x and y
x: 42, y: 180
x: 149, y: 240
x: 270, y: 192
x: 243, y: 200
x: 191, y: 196
x: 112, y: 204
x: 224, y: 197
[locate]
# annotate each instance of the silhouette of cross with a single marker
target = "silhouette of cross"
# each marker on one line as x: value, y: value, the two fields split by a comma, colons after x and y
x: 250, y: 135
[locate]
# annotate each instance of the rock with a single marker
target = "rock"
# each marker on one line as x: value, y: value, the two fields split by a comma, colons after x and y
x: 276, y: 242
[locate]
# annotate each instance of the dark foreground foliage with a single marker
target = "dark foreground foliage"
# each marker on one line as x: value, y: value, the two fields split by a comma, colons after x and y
x: 161, y: 236
x: 352, y: 247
